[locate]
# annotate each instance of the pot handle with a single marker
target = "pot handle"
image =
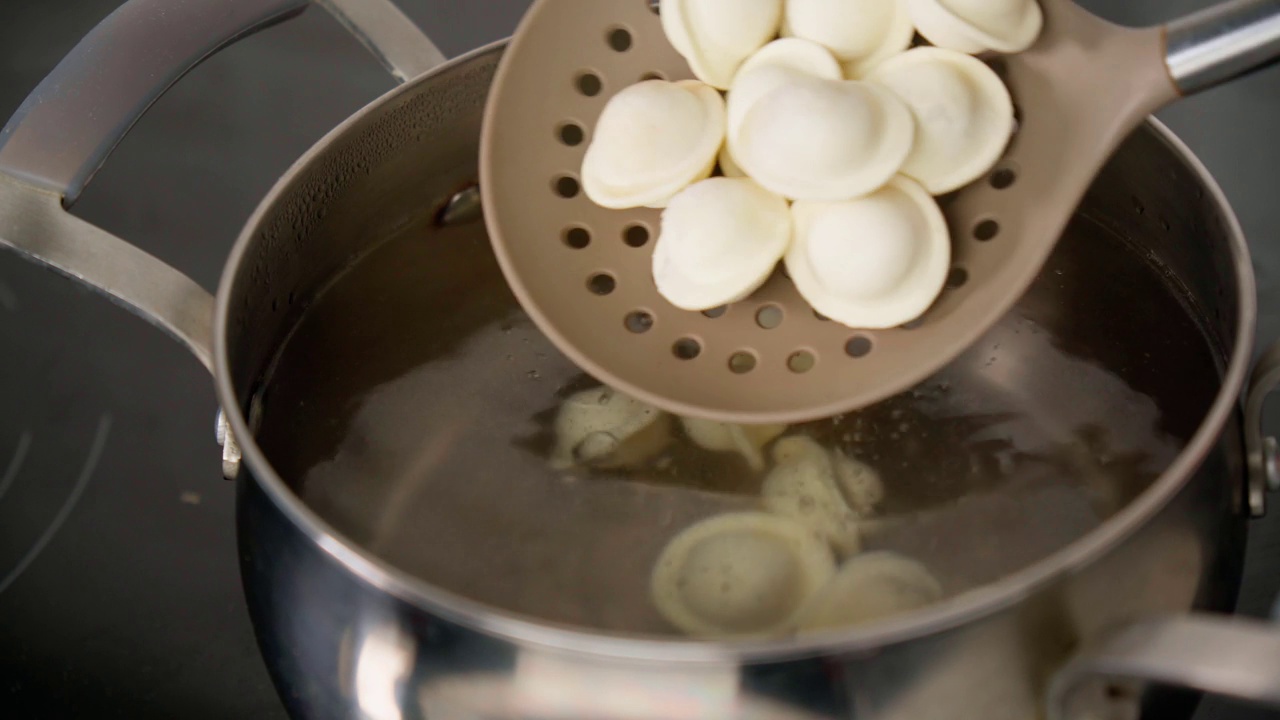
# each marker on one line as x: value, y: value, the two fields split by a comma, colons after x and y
x: 1221, y: 655
x: 70, y: 123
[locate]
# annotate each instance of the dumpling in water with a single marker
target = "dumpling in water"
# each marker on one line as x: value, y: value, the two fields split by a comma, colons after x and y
x: 860, y: 484
x: 739, y: 574
x: 746, y: 440
x: 605, y: 428
x: 803, y: 487
x: 870, y: 587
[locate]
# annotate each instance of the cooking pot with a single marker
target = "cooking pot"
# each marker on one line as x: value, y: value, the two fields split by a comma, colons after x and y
x: 1096, y: 625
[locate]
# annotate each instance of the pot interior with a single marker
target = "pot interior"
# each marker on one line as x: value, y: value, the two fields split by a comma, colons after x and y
x: 405, y: 397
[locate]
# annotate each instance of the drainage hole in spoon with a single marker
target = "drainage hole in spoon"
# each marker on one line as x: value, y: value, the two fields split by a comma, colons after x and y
x: 602, y: 284
x: 986, y: 230
x: 686, y: 349
x: 769, y: 317
x: 858, y: 346
x: 577, y: 238
x: 742, y: 362
x: 639, y: 322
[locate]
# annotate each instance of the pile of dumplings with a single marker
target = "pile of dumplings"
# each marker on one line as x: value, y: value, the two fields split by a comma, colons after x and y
x: 832, y: 136
x: 795, y: 564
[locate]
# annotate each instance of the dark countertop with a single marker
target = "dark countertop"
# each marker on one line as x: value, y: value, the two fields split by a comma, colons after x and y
x: 133, y: 608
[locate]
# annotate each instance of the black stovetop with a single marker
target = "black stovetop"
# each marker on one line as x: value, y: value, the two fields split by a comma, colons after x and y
x: 119, y: 590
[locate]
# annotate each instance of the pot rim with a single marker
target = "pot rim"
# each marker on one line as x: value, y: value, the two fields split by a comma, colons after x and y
x: 949, y: 614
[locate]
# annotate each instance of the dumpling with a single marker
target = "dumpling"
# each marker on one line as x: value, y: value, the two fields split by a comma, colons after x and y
x: 746, y: 440
x: 964, y: 115
x: 860, y: 33
x: 976, y: 26
x: 824, y: 140
x: 861, y: 485
x: 716, y: 36
x: 870, y: 587
x: 803, y: 486
x: 606, y: 428
x: 739, y: 574
x: 876, y: 262
x: 775, y: 65
x: 653, y: 139
x: 720, y: 240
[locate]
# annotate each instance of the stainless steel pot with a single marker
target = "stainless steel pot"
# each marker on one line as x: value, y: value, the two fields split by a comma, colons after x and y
x: 348, y: 635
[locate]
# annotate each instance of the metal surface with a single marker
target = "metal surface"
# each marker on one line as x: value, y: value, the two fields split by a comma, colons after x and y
x: 1263, y: 475
x: 391, y: 36
x: 1223, y: 42
x: 463, y: 207
x: 72, y: 121
x: 67, y: 127
x: 36, y: 225
x: 231, y: 455
x: 1229, y: 657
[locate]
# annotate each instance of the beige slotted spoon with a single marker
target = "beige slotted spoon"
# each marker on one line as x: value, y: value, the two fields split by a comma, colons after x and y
x: 584, y: 273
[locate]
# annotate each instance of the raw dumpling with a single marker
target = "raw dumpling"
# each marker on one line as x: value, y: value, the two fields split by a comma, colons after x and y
x: 720, y: 240
x: 876, y: 262
x: 976, y: 26
x: 860, y: 33
x: 803, y: 486
x: 653, y: 139
x: 605, y: 428
x: 963, y: 111
x: 778, y: 63
x: 716, y: 36
x: 739, y: 574
x: 746, y: 440
x: 817, y: 139
x: 728, y: 166
x: 871, y: 586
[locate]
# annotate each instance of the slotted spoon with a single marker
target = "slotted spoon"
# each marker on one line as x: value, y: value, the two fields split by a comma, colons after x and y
x: 583, y: 273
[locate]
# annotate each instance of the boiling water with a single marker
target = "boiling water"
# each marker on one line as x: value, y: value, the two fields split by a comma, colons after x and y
x: 412, y: 409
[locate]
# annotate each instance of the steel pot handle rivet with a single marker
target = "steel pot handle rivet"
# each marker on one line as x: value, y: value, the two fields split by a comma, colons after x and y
x: 1263, y: 452
x: 231, y: 455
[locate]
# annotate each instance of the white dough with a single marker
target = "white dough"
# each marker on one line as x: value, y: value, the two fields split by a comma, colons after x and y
x: 653, y: 139
x: 976, y: 26
x: 728, y: 166
x: 746, y: 440
x: 860, y: 33
x: 605, y: 428
x: 861, y: 485
x: 963, y: 111
x: 720, y: 240
x: 739, y: 574
x: 876, y: 262
x: 870, y: 587
x: 716, y: 36
x: 776, y: 64
x: 829, y: 140
x: 803, y: 486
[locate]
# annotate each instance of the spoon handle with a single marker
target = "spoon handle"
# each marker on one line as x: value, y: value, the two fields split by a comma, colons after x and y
x: 1223, y: 42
